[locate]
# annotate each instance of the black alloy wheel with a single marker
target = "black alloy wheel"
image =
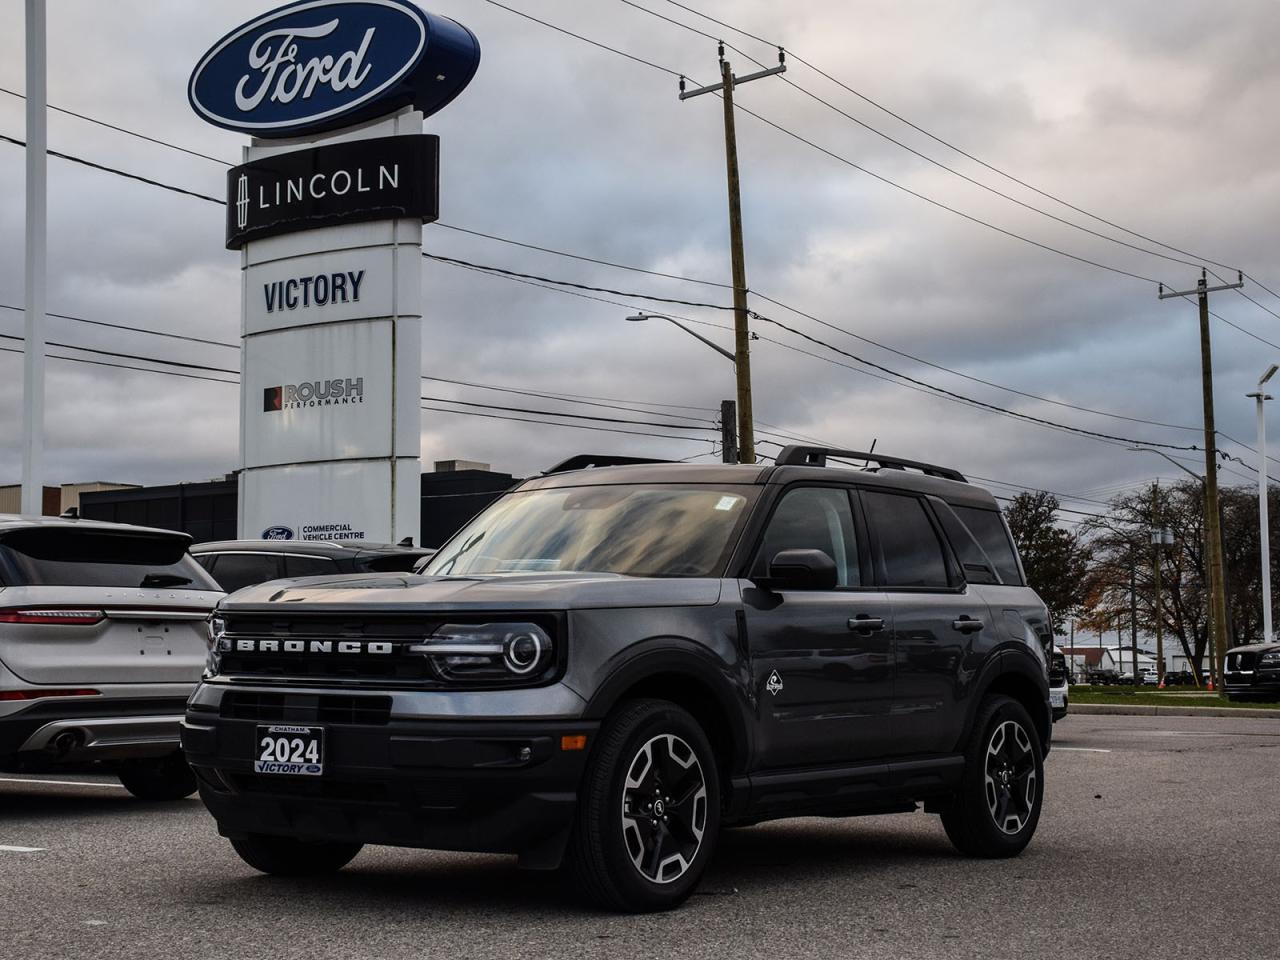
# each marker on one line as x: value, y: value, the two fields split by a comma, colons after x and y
x: 1010, y: 777
x: 997, y: 803
x: 664, y: 808
x: 648, y: 809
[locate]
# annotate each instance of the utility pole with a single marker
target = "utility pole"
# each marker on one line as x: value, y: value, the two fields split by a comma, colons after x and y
x: 1264, y: 527
x: 729, y: 431
x: 742, y: 332
x: 1212, y: 521
x: 33, y: 361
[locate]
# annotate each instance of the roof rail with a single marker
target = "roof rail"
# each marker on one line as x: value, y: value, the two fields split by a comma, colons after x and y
x: 584, y: 461
x: 817, y: 457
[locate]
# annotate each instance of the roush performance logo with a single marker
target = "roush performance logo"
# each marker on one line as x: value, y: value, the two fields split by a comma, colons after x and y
x: 313, y: 393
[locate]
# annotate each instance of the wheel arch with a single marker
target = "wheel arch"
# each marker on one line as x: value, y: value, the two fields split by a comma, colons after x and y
x: 1016, y: 675
x: 688, y: 679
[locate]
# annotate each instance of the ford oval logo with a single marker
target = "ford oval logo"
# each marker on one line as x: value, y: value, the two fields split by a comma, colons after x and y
x: 277, y: 533
x: 320, y: 64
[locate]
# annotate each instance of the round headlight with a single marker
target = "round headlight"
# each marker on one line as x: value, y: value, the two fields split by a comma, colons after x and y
x: 522, y: 652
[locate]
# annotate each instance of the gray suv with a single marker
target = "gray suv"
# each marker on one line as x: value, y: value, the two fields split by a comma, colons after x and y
x: 608, y: 665
x: 102, y: 639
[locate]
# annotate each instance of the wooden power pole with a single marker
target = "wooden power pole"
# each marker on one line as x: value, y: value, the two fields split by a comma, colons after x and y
x: 741, y: 329
x: 1212, y: 518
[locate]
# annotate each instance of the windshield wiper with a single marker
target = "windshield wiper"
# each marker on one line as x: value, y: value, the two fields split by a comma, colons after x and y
x: 164, y: 580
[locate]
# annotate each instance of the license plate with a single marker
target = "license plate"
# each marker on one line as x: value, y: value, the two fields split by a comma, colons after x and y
x: 1057, y: 698
x: 290, y: 750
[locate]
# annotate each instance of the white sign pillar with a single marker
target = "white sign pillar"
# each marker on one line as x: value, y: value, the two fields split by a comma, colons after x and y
x: 331, y: 367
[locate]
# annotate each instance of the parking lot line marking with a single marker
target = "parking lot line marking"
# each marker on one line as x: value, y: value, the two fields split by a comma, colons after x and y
x: 65, y: 783
x: 1081, y: 749
x: 7, y: 849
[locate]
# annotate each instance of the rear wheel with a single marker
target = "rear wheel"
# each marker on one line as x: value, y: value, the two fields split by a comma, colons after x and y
x: 290, y: 857
x: 995, y: 811
x: 649, y: 810
x: 165, y: 778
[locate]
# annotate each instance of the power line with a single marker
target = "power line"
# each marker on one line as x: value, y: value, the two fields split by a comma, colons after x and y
x: 572, y: 416
x: 118, y: 172
x: 124, y: 130
x: 923, y: 156
x: 951, y: 146
x: 795, y: 310
x: 573, y: 426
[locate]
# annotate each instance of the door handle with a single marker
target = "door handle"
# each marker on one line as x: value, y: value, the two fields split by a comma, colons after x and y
x: 967, y: 624
x: 864, y: 624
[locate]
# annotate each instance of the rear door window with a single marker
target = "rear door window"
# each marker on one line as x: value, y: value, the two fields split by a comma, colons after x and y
x: 908, y: 548
x: 236, y: 570
x: 69, y: 557
x: 988, y: 528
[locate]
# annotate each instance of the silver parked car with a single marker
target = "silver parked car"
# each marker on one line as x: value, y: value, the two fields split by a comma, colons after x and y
x: 102, y: 639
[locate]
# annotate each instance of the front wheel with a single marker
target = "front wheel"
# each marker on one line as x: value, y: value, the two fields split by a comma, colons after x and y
x: 166, y: 778
x: 289, y: 857
x: 995, y: 811
x: 649, y: 810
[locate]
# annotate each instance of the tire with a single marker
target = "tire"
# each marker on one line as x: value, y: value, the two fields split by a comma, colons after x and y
x: 168, y: 778
x: 995, y: 812
x: 289, y: 857
x: 648, y: 811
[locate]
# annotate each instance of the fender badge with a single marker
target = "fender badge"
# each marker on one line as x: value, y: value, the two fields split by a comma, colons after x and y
x: 774, y: 683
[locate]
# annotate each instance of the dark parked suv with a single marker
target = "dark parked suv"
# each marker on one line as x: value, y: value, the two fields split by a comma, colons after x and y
x: 1252, y: 672
x: 241, y: 563
x: 608, y: 665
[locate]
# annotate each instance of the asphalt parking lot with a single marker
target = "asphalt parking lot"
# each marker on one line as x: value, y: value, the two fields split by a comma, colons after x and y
x: 1160, y: 837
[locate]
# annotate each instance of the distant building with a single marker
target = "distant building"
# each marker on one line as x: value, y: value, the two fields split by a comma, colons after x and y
x: 57, y: 500
x: 208, y: 510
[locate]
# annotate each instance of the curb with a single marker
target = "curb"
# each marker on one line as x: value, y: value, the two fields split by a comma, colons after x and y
x: 1140, y: 710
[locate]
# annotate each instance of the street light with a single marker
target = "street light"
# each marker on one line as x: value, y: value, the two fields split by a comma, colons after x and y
x: 637, y: 317
x: 1264, y: 536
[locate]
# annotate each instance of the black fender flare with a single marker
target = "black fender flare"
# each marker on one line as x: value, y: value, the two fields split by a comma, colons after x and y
x: 674, y: 655
x: 1011, y: 660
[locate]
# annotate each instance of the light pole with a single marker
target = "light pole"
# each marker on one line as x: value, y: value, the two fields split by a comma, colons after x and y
x: 637, y: 317
x: 1264, y: 535
x: 731, y: 450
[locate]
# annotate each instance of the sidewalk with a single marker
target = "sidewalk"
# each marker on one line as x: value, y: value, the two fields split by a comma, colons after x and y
x: 1140, y: 710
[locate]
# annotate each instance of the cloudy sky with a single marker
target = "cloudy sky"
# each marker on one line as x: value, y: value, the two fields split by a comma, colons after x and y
x: 1157, y: 116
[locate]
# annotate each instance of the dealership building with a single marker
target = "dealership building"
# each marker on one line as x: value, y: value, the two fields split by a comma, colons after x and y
x: 451, y: 495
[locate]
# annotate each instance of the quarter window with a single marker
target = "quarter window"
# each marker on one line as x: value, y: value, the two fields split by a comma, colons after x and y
x: 909, y: 550
x: 814, y: 518
x: 236, y: 570
x: 988, y: 528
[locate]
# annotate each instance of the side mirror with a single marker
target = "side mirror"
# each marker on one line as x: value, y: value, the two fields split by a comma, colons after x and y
x: 801, y: 570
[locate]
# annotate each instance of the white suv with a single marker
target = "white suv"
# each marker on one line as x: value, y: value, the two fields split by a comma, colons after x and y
x: 102, y: 639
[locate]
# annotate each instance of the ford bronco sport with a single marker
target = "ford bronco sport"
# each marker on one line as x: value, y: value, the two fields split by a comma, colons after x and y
x: 608, y: 665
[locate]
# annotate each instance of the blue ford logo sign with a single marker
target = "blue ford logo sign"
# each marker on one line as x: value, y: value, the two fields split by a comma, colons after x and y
x: 320, y: 64
x: 277, y: 533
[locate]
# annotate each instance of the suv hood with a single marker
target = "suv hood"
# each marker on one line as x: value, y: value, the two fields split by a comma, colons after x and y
x: 1254, y: 648
x: 512, y: 591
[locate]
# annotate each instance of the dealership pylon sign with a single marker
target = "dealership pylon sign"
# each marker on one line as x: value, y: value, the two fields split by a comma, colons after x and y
x: 326, y: 210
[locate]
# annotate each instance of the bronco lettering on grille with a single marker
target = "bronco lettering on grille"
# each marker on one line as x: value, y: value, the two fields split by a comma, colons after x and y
x: 308, y: 646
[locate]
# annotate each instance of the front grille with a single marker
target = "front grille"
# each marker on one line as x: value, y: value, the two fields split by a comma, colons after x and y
x: 397, y: 667
x: 306, y: 708
x: 1244, y: 660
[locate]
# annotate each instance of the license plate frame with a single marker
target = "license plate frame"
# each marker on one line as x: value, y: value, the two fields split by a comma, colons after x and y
x: 302, y: 747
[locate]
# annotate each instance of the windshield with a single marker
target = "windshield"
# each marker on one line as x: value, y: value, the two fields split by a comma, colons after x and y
x: 642, y: 530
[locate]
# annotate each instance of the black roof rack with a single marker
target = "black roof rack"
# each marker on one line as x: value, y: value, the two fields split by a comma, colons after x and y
x: 817, y: 457
x: 585, y: 461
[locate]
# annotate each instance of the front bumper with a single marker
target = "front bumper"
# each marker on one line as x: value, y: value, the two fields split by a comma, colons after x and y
x: 1252, y: 683
x: 498, y: 786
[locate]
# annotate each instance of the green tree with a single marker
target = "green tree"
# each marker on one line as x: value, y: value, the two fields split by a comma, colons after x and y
x: 1055, y: 559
